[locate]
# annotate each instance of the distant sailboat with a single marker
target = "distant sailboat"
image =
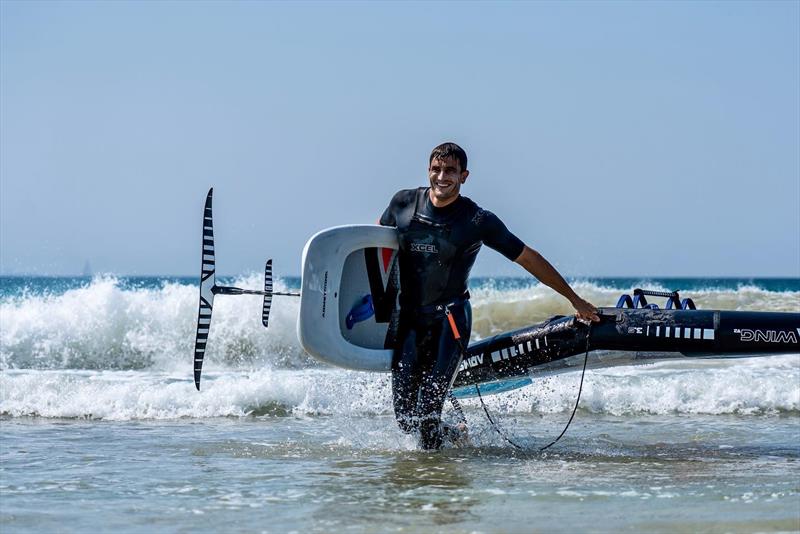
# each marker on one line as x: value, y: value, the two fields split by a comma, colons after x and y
x: 87, y: 269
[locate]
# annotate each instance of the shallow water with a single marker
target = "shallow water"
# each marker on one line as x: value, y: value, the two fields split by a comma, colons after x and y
x: 276, y: 474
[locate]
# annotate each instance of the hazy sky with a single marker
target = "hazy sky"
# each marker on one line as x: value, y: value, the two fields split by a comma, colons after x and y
x: 624, y: 138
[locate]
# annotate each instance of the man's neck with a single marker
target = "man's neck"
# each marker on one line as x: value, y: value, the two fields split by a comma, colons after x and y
x: 437, y: 203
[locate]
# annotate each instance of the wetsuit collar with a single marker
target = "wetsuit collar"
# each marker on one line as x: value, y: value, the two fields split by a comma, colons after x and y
x: 444, y: 210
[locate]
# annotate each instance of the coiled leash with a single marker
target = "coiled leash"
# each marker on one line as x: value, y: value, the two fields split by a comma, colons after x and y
x: 457, y: 407
x: 580, y: 389
x: 502, y: 434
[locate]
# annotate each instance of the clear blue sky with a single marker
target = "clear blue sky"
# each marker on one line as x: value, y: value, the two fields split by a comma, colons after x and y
x: 621, y: 138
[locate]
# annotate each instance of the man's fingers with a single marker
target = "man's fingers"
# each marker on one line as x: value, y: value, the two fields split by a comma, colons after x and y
x: 586, y: 312
x: 587, y: 317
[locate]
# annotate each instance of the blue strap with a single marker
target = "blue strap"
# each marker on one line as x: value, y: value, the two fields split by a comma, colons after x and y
x: 360, y: 312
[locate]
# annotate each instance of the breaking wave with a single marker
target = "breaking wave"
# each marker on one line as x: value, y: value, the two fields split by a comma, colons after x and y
x: 107, y: 324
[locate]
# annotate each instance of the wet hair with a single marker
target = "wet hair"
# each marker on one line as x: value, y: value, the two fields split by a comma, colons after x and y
x: 447, y: 151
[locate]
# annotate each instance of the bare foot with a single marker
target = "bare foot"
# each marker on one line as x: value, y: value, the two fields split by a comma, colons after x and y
x: 457, y: 435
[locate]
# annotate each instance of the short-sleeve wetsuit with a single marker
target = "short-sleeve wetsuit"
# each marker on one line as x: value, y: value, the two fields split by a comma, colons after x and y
x: 438, y: 247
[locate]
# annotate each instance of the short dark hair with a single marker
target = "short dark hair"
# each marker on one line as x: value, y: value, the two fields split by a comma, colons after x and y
x: 449, y: 150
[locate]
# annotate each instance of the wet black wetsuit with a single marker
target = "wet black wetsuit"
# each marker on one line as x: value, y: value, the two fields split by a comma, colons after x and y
x: 438, y: 247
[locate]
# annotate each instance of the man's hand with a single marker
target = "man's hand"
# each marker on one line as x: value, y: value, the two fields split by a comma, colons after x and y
x: 585, y: 311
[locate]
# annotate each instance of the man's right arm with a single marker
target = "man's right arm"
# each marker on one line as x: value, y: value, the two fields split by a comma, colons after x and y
x: 388, y: 218
x: 398, y: 202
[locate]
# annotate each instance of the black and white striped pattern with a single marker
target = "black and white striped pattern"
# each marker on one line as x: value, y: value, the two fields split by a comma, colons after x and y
x: 207, y: 281
x: 519, y: 349
x: 268, y: 293
x: 681, y: 332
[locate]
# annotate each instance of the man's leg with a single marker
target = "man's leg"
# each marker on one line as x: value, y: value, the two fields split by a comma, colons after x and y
x: 437, y: 381
x: 406, y: 377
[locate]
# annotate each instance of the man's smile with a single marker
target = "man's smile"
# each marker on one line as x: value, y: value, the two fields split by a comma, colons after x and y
x: 446, y: 177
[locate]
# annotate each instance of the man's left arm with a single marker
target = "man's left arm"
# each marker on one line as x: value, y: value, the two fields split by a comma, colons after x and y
x: 538, y: 266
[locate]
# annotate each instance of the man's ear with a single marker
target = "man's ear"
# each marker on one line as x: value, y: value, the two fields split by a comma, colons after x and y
x: 464, y: 175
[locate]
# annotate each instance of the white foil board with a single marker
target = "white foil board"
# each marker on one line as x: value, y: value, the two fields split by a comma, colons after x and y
x: 337, y: 266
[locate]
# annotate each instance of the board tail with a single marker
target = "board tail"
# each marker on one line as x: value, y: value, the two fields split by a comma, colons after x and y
x: 207, y: 287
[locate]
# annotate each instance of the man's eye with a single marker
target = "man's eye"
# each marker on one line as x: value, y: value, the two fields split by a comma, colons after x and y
x: 450, y: 170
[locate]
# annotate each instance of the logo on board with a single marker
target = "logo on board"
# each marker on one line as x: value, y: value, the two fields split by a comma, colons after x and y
x: 769, y: 336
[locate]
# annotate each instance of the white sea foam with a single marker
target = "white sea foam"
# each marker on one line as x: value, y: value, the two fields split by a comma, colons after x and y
x: 102, y: 326
x: 124, y: 395
x: 757, y: 386
x: 743, y: 386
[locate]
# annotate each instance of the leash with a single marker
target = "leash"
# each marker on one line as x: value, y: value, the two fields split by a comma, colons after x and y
x: 457, y: 405
x: 491, y: 421
x: 580, y: 389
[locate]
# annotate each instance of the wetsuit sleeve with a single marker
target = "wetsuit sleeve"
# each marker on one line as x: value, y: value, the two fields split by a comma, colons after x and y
x: 388, y: 218
x: 398, y: 202
x: 495, y: 235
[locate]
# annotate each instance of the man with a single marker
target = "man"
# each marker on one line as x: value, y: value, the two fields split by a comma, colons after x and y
x: 440, y: 233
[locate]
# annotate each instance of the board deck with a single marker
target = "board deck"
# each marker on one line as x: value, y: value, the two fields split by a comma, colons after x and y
x: 341, y: 267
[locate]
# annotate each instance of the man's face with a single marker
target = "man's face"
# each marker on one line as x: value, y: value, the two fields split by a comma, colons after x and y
x: 446, y: 178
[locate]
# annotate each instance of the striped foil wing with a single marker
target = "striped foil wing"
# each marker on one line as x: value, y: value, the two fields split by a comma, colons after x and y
x: 268, y: 296
x: 207, y: 280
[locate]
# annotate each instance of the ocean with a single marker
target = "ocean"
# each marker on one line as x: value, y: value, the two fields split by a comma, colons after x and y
x: 101, y: 427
